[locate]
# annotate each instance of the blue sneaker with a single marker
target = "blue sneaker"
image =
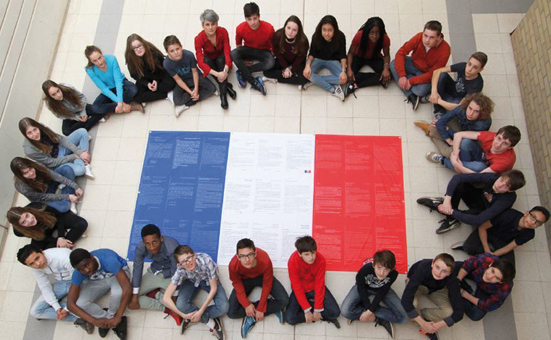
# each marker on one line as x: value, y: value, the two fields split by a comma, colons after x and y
x: 247, y: 325
x: 259, y: 85
x: 242, y: 83
x: 279, y: 315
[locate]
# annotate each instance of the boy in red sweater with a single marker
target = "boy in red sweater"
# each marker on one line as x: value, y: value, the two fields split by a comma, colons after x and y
x: 251, y: 267
x: 310, y: 300
x: 253, y: 41
x: 430, y: 52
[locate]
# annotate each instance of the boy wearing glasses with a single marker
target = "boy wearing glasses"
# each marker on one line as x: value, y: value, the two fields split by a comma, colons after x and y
x: 433, y: 279
x: 486, y: 195
x: 251, y: 267
x: 310, y: 300
x: 197, y: 271
x: 503, y: 233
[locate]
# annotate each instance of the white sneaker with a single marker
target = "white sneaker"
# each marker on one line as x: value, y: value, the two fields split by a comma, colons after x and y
x: 102, y: 120
x: 271, y: 80
x: 144, y: 104
x: 339, y: 93
x: 89, y: 137
x: 170, y: 96
x: 88, y: 172
x: 300, y: 88
x: 307, y: 85
x: 179, y: 109
x: 74, y: 208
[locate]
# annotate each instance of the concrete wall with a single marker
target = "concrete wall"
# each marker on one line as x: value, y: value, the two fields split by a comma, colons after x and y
x: 29, y: 35
x: 532, y: 48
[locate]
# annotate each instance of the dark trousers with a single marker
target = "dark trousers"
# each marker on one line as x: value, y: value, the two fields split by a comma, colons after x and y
x: 278, y: 292
x: 206, y: 89
x: 265, y: 60
x: 296, y: 79
x: 295, y: 314
x: 471, y: 310
x: 218, y: 65
x: 69, y: 126
x: 369, y: 78
x: 165, y: 84
x: 446, y: 89
x: 104, y: 104
x: 471, y: 195
x: 74, y: 223
x: 473, y: 246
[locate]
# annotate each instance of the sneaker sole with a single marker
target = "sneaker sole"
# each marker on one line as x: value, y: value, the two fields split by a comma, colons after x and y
x: 452, y: 227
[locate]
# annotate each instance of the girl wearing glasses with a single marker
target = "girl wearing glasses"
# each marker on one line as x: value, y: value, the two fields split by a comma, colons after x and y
x: 145, y: 64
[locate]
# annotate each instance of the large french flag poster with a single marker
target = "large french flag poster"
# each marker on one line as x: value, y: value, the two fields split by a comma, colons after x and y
x: 211, y: 189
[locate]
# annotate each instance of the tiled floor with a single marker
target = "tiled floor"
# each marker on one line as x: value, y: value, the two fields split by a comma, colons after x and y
x: 119, y: 146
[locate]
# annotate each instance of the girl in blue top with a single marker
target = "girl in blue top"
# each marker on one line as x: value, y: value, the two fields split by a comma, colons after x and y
x: 116, y: 91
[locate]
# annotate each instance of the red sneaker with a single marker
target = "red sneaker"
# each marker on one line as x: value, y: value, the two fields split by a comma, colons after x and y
x: 175, y: 316
x: 152, y: 294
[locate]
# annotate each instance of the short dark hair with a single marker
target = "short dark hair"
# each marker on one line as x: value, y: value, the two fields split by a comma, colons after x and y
x: 515, y: 178
x: 26, y: 251
x: 79, y: 255
x: 171, y: 40
x: 181, y: 250
x: 481, y: 57
x: 385, y: 258
x: 447, y: 259
x: 506, y: 268
x: 542, y: 210
x: 245, y: 243
x: 151, y: 229
x: 251, y: 9
x: 510, y: 132
x: 433, y: 25
x: 305, y: 244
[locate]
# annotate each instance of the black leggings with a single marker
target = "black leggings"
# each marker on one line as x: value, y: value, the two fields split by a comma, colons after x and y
x: 370, y: 78
x: 164, y: 86
x: 297, y: 78
x: 69, y: 126
x: 218, y: 65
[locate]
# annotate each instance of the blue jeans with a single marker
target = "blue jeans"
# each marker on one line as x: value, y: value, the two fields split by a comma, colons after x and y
x: 104, y: 104
x: 188, y: 291
x: 278, y: 292
x: 471, y: 310
x: 352, y: 307
x: 80, y: 139
x: 420, y: 90
x: 471, y: 156
x: 42, y: 310
x: 62, y: 205
x: 326, y: 82
x: 295, y: 314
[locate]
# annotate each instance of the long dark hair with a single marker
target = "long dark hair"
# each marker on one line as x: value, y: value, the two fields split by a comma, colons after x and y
x: 40, y: 183
x: 366, y: 28
x: 300, y: 47
x: 88, y: 51
x: 24, y: 123
x: 135, y: 63
x: 338, y: 36
x: 56, y: 106
x: 44, y: 220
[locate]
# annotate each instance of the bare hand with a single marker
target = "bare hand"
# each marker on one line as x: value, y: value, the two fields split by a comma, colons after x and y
x: 195, y: 95
x: 61, y: 314
x: 385, y: 77
x: 367, y: 316
x: 120, y: 107
x: 433, y: 123
x: 309, y: 317
x: 101, y: 323
x: 152, y: 86
x: 445, y: 208
x: 259, y: 316
x: 307, y: 71
x: 434, y: 97
x: 402, y: 82
x: 350, y: 75
x: 79, y: 192
x: 112, y: 323
x: 85, y: 156
x: 83, y: 119
x: 250, y: 310
x: 287, y: 73
x: 317, y: 316
x: 343, y: 78
x: 64, y: 243
x: 196, y: 317
x: 73, y: 198
x: 134, y: 303
x: 222, y: 76
x: 429, y: 327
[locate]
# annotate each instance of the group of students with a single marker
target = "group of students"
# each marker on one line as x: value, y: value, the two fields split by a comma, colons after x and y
x: 177, y: 273
x: 486, y: 182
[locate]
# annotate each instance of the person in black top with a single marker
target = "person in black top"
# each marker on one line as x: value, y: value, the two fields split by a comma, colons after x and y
x: 503, y: 233
x: 145, y: 64
x: 486, y: 195
x: 433, y: 278
x: 39, y: 222
x: 290, y: 50
x: 375, y: 278
x: 328, y: 50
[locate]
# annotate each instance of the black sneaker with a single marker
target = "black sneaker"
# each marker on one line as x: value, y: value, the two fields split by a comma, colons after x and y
x: 414, y: 100
x: 88, y: 327
x: 438, y: 109
x: 425, y: 99
x: 218, y: 330
x: 448, y: 224
x: 185, y: 325
x: 432, y: 336
x: 121, y: 328
x: 334, y: 322
x: 458, y: 245
x: 103, y: 332
x: 387, y: 325
x: 349, y: 89
x: 431, y: 202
